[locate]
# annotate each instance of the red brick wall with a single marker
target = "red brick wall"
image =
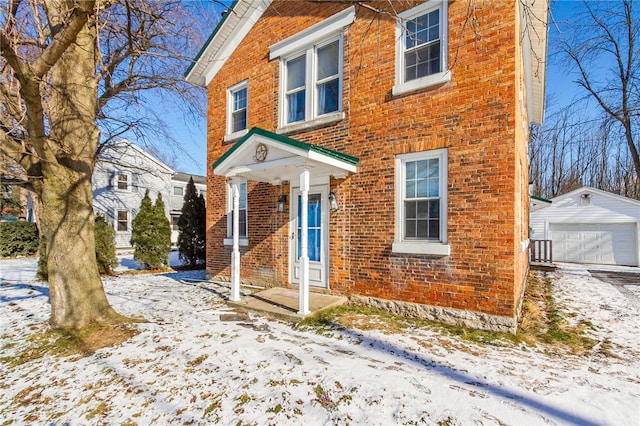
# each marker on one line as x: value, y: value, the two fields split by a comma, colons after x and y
x: 475, y: 116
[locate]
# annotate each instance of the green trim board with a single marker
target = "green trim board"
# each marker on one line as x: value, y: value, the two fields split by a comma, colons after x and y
x: 287, y: 141
x: 544, y: 200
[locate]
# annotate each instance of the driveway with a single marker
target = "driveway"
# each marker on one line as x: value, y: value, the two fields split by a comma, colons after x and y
x: 627, y: 283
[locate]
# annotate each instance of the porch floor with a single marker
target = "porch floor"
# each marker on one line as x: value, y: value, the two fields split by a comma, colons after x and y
x: 283, y: 303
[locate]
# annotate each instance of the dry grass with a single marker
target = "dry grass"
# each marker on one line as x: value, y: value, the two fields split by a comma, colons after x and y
x: 541, y: 323
x: 68, y: 342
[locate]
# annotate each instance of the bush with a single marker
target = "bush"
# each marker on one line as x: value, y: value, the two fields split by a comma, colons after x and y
x: 18, y: 239
x: 151, y: 234
x: 43, y: 272
x: 191, y: 240
x: 105, y: 246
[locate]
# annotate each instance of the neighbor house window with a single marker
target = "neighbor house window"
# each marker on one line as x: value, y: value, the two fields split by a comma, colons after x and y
x: 123, y: 181
x: 122, y: 224
x: 311, y: 71
x: 237, y: 107
x: 242, y: 213
x: 421, y: 47
x: 178, y: 190
x: 421, y: 203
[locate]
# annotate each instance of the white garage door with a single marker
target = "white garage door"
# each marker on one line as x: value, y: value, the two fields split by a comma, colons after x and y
x: 612, y: 244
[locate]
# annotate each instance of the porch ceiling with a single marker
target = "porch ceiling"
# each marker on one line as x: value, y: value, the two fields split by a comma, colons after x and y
x: 268, y: 157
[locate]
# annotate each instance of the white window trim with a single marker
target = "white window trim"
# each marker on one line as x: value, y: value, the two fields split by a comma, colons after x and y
x: 402, y: 87
x: 174, y: 191
x: 400, y: 245
x: 228, y: 241
x: 312, y: 118
x: 115, y: 222
x: 230, y: 135
x: 118, y: 173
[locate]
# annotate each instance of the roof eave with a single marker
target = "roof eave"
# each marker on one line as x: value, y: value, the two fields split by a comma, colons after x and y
x: 226, y: 37
x: 535, y: 16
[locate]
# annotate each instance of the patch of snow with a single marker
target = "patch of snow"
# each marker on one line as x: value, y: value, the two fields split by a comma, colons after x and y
x: 187, y: 366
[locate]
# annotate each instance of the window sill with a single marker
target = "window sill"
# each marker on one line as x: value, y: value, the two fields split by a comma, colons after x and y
x: 236, y: 135
x: 229, y: 241
x: 437, y: 249
x: 422, y: 83
x: 324, y: 120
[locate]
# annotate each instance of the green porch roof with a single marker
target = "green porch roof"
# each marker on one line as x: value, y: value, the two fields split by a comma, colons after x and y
x: 287, y: 141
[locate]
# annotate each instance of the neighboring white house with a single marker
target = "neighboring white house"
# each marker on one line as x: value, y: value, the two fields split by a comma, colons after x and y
x: 589, y: 225
x: 122, y: 174
x: 179, y: 183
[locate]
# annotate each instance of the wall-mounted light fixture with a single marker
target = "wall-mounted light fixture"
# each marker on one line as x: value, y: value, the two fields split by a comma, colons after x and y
x: 333, y: 202
x: 586, y: 195
x: 282, y: 202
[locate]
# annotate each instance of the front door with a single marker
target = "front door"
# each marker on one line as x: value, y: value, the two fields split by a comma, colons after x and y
x: 318, y: 235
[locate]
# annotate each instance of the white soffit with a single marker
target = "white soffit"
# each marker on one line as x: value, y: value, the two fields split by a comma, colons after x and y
x: 226, y: 38
x: 535, y: 18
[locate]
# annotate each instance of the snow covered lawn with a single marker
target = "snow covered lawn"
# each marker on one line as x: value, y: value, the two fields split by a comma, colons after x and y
x: 194, y: 363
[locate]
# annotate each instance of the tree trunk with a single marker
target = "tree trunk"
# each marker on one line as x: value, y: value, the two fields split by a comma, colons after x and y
x: 67, y: 221
x: 66, y: 212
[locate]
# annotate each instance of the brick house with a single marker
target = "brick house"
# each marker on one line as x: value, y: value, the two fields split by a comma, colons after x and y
x: 376, y: 150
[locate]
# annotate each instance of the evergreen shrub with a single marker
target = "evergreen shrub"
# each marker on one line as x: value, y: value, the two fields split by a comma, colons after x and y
x: 151, y: 234
x: 191, y: 240
x: 18, y: 239
x: 105, y: 237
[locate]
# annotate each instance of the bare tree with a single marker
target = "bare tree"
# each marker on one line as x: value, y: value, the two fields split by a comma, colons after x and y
x: 603, y: 48
x: 70, y: 69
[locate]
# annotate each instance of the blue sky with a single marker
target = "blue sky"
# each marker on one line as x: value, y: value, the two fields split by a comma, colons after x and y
x: 560, y: 89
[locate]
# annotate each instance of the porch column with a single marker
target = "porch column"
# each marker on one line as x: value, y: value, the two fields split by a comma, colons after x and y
x: 304, y: 239
x: 235, y: 254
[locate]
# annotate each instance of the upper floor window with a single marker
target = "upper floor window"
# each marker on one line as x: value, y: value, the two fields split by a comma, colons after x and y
x: 178, y: 190
x: 237, y: 110
x: 311, y: 80
x: 421, y: 47
x: 122, y: 181
x: 421, y: 203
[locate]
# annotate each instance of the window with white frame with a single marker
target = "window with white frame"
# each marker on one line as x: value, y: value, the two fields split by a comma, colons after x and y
x: 122, y: 181
x: 421, y: 47
x: 313, y: 85
x: 311, y: 80
x: 178, y: 190
x: 122, y: 220
x: 421, y: 203
x: 242, y: 213
x: 237, y: 109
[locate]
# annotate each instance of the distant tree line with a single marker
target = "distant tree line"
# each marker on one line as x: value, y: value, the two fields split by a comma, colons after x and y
x: 594, y: 141
x: 572, y: 150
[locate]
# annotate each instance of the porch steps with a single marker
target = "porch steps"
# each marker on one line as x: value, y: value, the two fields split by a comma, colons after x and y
x: 282, y: 303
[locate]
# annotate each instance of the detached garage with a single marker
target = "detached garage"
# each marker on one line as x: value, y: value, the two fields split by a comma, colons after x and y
x: 590, y: 226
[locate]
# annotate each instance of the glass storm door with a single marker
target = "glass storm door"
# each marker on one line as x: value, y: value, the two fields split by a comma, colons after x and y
x: 317, y: 235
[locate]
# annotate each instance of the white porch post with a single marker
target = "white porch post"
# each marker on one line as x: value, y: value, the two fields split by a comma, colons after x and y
x: 235, y: 255
x: 304, y: 238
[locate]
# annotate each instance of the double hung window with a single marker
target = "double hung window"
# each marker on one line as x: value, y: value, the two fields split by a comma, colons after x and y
x: 122, y: 181
x: 313, y: 82
x: 242, y: 214
x: 421, y: 50
x: 122, y: 224
x: 237, y: 110
x: 421, y: 203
